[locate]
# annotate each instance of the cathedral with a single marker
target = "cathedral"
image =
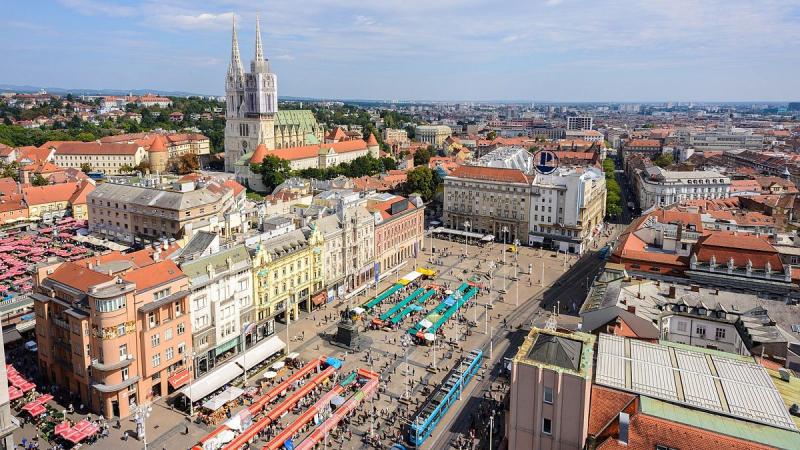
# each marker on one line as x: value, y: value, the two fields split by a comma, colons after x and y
x: 255, y: 129
x: 252, y: 116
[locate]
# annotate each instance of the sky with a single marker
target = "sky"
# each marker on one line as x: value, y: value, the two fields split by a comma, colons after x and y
x: 529, y: 50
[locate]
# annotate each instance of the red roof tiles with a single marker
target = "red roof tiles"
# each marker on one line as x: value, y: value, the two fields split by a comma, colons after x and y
x: 490, y: 174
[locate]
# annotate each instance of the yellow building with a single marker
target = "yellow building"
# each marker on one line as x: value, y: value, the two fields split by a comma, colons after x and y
x: 55, y: 201
x: 287, y: 271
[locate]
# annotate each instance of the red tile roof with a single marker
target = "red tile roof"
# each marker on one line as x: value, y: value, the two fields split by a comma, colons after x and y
x: 154, y: 275
x: 643, y: 143
x: 159, y: 144
x: 259, y: 154
x: 37, y: 195
x: 372, y: 141
x: 490, y: 174
x: 78, y: 276
x: 741, y: 247
x: 237, y: 188
x: 645, y: 432
x: 312, y: 151
x: 606, y: 404
x: 95, y: 148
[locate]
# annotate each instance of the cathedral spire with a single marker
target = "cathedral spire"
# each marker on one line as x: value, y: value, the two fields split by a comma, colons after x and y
x: 235, y: 68
x: 259, y: 63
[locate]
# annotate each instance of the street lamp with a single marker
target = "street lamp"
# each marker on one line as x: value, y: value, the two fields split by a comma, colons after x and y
x: 191, y: 400
x: 140, y: 415
x: 467, y: 225
x: 288, y: 317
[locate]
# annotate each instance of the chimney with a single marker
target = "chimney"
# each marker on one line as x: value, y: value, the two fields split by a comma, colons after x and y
x: 695, y: 288
x: 672, y: 291
x: 631, y: 309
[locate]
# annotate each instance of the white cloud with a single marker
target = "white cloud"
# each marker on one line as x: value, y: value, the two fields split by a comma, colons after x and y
x: 201, y: 21
x: 95, y: 7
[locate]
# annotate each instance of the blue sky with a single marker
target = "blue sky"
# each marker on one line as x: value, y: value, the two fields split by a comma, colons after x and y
x: 558, y: 50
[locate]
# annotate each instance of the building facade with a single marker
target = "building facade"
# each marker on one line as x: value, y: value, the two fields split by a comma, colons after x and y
x: 579, y: 123
x: 551, y: 385
x: 288, y: 271
x: 113, y: 330
x: 434, y: 135
x: 567, y: 209
x: 399, y: 231
x: 222, y: 305
x: 488, y: 200
x: 130, y: 214
x: 661, y: 187
x: 108, y: 158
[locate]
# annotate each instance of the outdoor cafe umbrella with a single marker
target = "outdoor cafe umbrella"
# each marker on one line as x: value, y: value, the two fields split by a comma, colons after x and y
x: 278, y: 365
x: 270, y: 374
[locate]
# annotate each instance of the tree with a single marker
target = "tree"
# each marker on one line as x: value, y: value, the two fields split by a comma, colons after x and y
x: 388, y: 163
x: 423, y: 181
x: 125, y: 168
x: 85, y: 136
x: 186, y: 163
x: 664, y: 160
x: 86, y: 167
x: 273, y: 170
x: 39, y: 180
x: 491, y: 135
x: 423, y: 156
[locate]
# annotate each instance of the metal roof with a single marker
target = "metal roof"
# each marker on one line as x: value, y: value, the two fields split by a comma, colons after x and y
x: 706, y: 379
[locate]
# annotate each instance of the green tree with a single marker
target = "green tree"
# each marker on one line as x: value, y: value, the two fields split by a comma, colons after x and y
x: 86, y: 167
x: 85, y: 136
x: 491, y: 135
x: 423, y: 156
x: 39, y: 180
x: 273, y: 170
x: 423, y: 181
x: 389, y: 163
x: 664, y: 160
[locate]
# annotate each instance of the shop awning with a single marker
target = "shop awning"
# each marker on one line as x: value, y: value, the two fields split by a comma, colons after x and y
x: 179, y: 378
x: 204, y: 386
x: 218, y: 401
x: 409, y: 277
x: 319, y: 299
x: 537, y: 239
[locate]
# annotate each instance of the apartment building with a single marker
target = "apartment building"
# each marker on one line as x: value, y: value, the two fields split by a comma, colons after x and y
x: 567, y: 209
x: 221, y: 301
x: 726, y: 140
x: 131, y: 214
x: 656, y: 186
x: 288, y: 270
x: 580, y: 123
x: 114, y: 329
x: 399, y: 230
x: 349, y: 248
x: 488, y: 200
x: 106, y: 158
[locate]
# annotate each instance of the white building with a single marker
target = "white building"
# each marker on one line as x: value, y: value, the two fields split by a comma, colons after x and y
x: 659, y: 187
x: 432, y: 134
x: 567, y: 208
x: 349, y: 248
x: 508, y: 157
x: 221, y: 300
x: 726, y: 140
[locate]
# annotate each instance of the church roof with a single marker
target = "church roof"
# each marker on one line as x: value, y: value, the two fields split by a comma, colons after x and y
x: 371, y: 141
x: 259, y: 154
x: 158, y: 145
x: 302, y: 118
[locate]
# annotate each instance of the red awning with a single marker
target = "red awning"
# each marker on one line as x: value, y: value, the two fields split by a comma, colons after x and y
x: 319, y: 298
x: 179, y: 378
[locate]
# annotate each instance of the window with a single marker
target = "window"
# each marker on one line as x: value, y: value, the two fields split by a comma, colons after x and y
x: 720, y: 333
x: 181, y: 328
x: 181, y: 348
x: 156, y: 360
x: 700, y: 330
x: 155, y: 340
x: 121, y: 329
x: 168, y: 334
x: 664, y: 447
x: 158, y: 295
x: 123, y: 352
x: 178, y: 309
x: 681, y: 326
x: 124, y: 374
x: 168, y: 354
x: 151, y: 319
x: 547, y: 426
x: 109, y: 305
x: 548, y: 395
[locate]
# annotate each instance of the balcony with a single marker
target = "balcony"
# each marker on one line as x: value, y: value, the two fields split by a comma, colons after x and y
x: 97, y: 365
x: 110, y: 388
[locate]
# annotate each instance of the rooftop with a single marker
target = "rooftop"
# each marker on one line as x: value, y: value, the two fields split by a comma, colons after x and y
x: 715, y: 381
x: 563, y: 352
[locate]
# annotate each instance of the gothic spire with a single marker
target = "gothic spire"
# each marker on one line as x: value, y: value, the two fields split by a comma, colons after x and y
x: 259, y: 63
x: 235, y: 68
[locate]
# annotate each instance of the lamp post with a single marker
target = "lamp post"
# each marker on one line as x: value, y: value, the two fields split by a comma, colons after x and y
x: 504, y: 230
x: 288, y: 317
x: 191, y: 399
x: 430, y: 233
x: 467, y: 225
x: 140, y: 415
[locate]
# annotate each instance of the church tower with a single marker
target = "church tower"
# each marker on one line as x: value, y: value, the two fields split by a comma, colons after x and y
x: 251, y: 103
